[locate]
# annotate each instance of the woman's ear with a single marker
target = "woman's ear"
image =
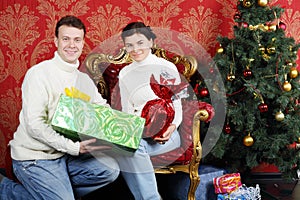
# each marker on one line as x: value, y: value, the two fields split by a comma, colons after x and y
x: 151, y: 43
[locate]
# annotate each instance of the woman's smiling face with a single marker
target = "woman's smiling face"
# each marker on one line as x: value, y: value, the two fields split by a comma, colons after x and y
x: 138, y: 46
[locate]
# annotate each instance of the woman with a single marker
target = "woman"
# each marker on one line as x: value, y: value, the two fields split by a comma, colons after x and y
x: 135, y: 91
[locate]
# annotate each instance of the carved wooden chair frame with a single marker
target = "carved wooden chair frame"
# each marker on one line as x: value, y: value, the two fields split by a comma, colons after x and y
x: 190, y: 66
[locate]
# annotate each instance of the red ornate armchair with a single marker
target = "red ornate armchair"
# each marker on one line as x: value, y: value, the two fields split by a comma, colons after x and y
x: 104, y: 70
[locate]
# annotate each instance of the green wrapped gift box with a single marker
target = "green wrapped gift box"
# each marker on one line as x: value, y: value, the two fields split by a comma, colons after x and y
x: 76, y: 118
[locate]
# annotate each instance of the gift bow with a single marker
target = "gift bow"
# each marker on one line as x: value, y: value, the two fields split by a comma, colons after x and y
x: 230, y: 183
x: 227, y: 183
x: 75, y: 93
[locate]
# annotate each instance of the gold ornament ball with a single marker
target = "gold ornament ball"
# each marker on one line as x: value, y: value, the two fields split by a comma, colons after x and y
x: 271, y: 50
x: 247, y: 3
x: 248, y: 141
x: 262, y: 49
x: 279, y: 116
x: 230, y: 77
x: 272, y: 27
x: 220, y: 50
x: 262, y: 2
x: 293, y: 72
x: 287, y: 86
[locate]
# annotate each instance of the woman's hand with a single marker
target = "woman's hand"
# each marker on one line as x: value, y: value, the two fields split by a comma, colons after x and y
x: 166, y: 135
x: 86, y: 146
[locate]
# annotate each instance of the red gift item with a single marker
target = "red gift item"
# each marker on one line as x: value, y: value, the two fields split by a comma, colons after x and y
x: 159, y: 113
x: 227, y: 183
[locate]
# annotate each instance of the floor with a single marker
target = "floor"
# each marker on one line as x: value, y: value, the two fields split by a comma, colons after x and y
x: 273, y: 187
x: 296, y: 193
x: 284, y: 194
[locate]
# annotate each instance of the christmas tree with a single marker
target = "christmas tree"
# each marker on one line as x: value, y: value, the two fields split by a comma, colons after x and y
x: 258, y: 68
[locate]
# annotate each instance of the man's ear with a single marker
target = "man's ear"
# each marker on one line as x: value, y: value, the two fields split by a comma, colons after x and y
x: 56, y: 41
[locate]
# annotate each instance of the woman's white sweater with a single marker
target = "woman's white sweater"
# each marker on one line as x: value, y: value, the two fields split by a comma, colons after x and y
x: 134, y: 83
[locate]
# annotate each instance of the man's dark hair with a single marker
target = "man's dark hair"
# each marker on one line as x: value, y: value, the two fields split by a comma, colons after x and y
x: 137, y: 27
x: 71, y: 21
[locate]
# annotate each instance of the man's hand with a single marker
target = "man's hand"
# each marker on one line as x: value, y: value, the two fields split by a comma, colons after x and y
x: 86, y: 146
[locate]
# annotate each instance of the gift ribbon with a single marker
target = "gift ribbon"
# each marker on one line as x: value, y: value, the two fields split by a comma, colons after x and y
x: 227, y: 183
x: 75, y: 93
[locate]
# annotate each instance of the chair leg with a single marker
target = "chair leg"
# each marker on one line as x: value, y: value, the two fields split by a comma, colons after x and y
x: 194, y: 183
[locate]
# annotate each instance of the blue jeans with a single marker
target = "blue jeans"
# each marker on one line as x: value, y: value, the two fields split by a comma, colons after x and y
x: 10, y: 190
x: 138, y: 171
x: 65, y: 178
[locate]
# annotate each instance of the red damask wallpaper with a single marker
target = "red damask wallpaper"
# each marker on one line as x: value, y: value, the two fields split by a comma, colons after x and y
x: 27, y: 34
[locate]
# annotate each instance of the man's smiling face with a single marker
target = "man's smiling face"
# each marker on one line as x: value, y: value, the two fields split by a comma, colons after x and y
x: 69, y: 43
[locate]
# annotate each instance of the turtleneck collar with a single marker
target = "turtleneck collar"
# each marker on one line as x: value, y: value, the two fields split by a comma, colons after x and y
x: 146, y: 60
x: 68, y: 67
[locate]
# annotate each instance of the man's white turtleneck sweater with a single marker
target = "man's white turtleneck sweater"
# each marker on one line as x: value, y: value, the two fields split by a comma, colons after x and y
x: 134, y: 82
x: 42, y: 86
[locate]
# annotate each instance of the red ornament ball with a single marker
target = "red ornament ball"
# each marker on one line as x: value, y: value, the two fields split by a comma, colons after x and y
x: 263, y: 107
x: 227, y: 129
x: 203, y: 92
x: 247, y: 73
x: 244, y: 25
x: 292, y: 146
x: 237, y: 16
x: 282, y: 25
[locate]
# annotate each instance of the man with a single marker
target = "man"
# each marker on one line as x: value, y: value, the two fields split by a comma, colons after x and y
x: 48, y: 165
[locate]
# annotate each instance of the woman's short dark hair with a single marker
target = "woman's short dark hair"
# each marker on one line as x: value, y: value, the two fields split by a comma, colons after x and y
x: 71, y: 21
x: 137, y: 27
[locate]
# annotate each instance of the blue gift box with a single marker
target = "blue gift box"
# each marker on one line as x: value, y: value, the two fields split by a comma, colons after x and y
x: 242, y: 193
x: 228, y: 197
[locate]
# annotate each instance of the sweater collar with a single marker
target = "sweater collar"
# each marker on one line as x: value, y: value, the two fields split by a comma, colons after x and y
x: 63, y: 65
x: 147, y: 60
